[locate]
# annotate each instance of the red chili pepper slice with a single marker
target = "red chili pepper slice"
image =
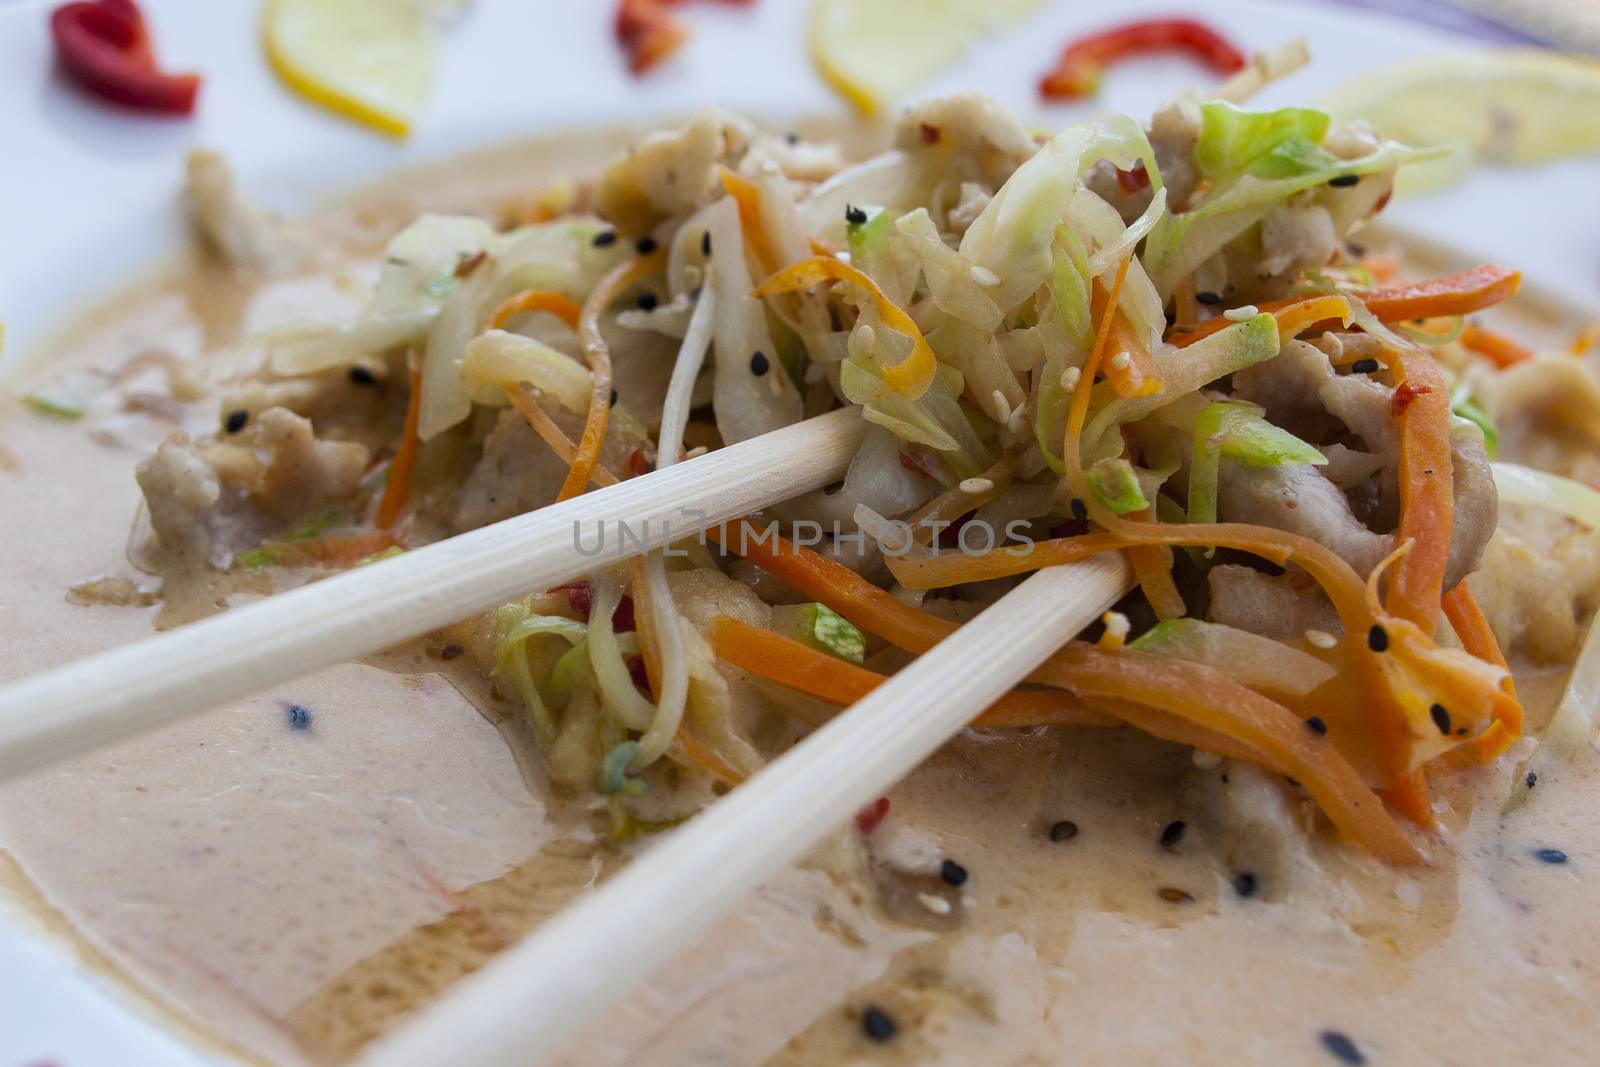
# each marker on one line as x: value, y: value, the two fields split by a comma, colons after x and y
x: 648, y: 33
x: 1084, y: 60
x: 104, y: 46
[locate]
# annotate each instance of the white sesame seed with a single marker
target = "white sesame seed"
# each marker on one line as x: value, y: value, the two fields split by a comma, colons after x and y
x: 983, y: 275
x: 1322, y: 639
x: 1002, y: 407
x: 843, y: 256
x: 1240, y: 314
x: 1117, y: 625
x: 1069, y: 378
x: 1206, y: 760
x: 934, y: 903
x: 974, y: 486
x: 1121, y: 361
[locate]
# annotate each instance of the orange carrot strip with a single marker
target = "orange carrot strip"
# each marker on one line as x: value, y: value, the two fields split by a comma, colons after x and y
x: 748, y: 197
x: 1294, y: 316
x: 912, y: 375
x: 536, y: 300
x: 545, y: 427
x: 598, y: 354
x: 1477, y: 637
x: 398, y: 489
x: 1455, y: 294
x: 1137, y: 374
x: 1497, y: 348
x: 707, y: 758
x: 1427, y: 502
x: 794, y: 665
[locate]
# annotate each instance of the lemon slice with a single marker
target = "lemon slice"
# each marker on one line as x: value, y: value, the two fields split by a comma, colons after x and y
x: 370, y: 60
x: 1499, y: 105
x: 873, y: 51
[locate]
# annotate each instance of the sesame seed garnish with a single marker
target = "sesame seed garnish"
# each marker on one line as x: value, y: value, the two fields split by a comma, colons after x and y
x: 1377, y: 639
x: 1441, y: 718
x: 1317, y: 726
x: 983, y: 276
x: 1241, y: 313
x: 362, y: 376
x: 759, y: 364
x: 645, y: 245
x: 1322, y: 639
x: 877, y: 1024
x: 1244, y: 883
x: 299, y: 717
x: 1365, y: 366
x: 974, y: 486
x: 1342, y: 1048
x: 853, y: 215
x: 1063, y: 830
x: 705, y: 243
x: 1172, y: 833
x: 1550, y: 855
x: 236, y: 420
x: 952, y: 873
x: 1080, y: 510
x: 1121, y: 361
x: 1532, y: 779
x: 1117, y: 627
x: 791, y: 137
x: 648, y: 301
x: 1205, y: 296
x: 934, y: 903
x: 1344, y: 181
x: 1070, y: 377
x: 1173, y: 895
x: 604, y: 238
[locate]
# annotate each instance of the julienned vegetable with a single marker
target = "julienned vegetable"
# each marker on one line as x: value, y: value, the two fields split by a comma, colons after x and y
x: 104, y: 46
x: 822, y: 628
x: 1078, y: 71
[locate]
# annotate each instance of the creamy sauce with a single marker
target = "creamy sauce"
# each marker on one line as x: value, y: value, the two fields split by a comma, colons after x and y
x: 292, y: 881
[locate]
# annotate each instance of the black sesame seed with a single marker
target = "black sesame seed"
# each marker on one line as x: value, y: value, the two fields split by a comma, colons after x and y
x: 645, y: 245
x: 1244, y: 883
x: 614, y: 398
x: 1532, y: 779
x: 1172, y: 833
x: 1342, y: 1048
x: 1441, y: 717
x: 854, y: 215
x: 1317, y: 726
x: 952, y: 873
x: 705, y: 243
x: 1355, y: 249
x: 877, y: 1024
x: 1550, y: 855
x: 1208, y: 297
x: 1080, y: 510
x: 1344, y: 181
x: 236, y: 420
x: 648, y: 301
x: 299, y: 717
x: 451, y: 651
x: 759, y: 364
x: 362, y: 376
x: 792, y: 137
x: 1065, y: 830
x: 603, y: 238
x: 1365, y: 366
x: 1377, y: 639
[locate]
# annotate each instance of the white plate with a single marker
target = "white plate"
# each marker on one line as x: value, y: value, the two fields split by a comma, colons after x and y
x: 88, y: 195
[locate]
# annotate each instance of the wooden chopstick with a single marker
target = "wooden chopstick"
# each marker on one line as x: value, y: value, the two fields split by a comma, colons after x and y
x: 521, y: 1009
x: 116, y: 694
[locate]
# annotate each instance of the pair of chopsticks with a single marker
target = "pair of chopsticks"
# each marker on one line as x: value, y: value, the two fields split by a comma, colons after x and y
x: 527, y: 1002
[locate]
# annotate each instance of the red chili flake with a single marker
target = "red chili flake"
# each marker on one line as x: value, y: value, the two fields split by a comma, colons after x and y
x: 868, y: 818
x: 927, y: 133
x: 1404, y: 395
x: 1134, y: 180
x: 639, y: 673
x: 1077, y: 72
x: 638, y: 465
x: 648, y: 33
x: 104, y: 46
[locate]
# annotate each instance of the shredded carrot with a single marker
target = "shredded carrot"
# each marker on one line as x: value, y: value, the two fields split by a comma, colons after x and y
x: 1585, y: 340
x: 644, y: 623
x: 794, y: 665
x: 1497, y: 348
x: 748, y: 197
x: 1427, y: 501
x: 1477, y: 637
x: 598, y: 355
x: 398, y: 489
x: 1294, y: 316
x: 1128, y: 364
x: 1409, y: 795
x: 1455, y: 294
x: 707, y: 758
x: 1182, y: 689
x: 536, y: 300
x: 551, y: 434
x: 912, y: 375
x: 1152, y: 567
